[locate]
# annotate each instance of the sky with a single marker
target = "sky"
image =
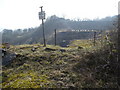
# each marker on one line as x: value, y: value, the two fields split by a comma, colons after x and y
x: 20, y: 14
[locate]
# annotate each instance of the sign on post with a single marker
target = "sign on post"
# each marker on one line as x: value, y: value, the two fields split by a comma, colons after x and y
x: 42, y: 15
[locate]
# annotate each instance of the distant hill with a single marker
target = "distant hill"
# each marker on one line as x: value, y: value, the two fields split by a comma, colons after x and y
x: 34, y: 35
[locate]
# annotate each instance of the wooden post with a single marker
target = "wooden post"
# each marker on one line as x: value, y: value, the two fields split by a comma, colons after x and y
x: 101, y: 38
x: 94, y: 38
x: 43, y: 30
x: 55, y: 37
x: 43, y: 34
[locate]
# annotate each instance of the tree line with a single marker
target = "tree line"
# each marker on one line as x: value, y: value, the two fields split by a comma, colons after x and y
x: 34, y: 35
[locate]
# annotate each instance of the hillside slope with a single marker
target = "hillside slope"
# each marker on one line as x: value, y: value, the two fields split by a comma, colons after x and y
x: 80, y: 65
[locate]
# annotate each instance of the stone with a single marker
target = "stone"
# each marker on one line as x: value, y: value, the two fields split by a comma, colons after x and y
x: 62, y: 50
x: 79, y: 47
x: 33, y: 49
x: 50, y: 49
x: 60, y: 83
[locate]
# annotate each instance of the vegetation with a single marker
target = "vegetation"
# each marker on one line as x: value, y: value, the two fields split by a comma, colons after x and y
x: 83, y: 63
x: 80, y: 65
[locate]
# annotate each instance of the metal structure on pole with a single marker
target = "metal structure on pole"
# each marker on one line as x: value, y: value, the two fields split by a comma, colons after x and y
x: 42, y: 16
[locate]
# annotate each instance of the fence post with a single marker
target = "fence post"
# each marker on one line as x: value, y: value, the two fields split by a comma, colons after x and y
x: 101, y: 38
x: 55, y: 37
x: 94, y: 38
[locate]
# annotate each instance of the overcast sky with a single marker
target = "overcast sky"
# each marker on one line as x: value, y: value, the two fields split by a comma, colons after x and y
x: 15, y: 14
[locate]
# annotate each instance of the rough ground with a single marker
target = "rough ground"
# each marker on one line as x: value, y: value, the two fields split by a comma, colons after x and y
x: 34, y: 66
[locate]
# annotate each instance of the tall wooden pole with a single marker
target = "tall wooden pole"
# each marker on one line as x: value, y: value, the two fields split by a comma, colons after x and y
x: 55, y: 37
x: 43, y: 29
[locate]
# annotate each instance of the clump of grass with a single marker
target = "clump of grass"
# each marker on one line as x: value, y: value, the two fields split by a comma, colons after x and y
x: 81, y: 43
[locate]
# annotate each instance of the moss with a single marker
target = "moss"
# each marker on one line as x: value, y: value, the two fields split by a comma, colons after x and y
x: 26, y: 80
